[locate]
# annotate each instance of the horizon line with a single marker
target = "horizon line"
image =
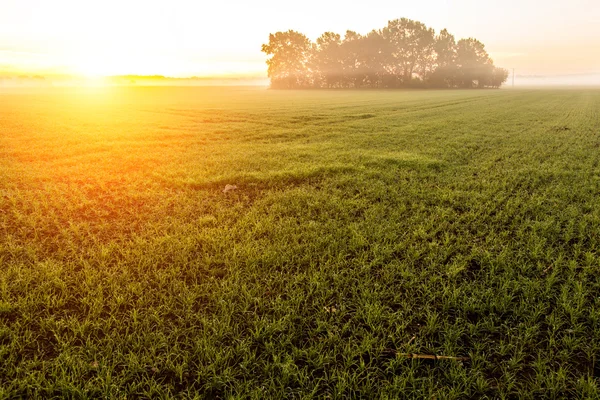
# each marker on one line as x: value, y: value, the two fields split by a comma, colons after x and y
x: 37, y: 76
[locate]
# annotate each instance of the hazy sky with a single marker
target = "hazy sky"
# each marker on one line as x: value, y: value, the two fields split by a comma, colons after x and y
x: 197, y: 37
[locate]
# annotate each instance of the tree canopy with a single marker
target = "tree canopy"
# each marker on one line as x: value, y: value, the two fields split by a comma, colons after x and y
x: 405, y: 53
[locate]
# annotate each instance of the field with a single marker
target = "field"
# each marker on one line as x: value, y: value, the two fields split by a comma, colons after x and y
x: 366, y: 225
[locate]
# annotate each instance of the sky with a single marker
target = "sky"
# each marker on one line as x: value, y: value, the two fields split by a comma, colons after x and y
x: 182, y: 38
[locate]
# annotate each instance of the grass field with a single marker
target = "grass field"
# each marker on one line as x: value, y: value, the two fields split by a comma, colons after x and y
x: 366, y: 225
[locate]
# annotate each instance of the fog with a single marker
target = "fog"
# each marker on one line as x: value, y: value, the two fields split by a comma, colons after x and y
x: 555, y: 80
x: 38, y: 81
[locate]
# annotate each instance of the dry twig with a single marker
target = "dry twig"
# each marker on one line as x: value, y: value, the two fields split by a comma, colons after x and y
x: 431, y: 357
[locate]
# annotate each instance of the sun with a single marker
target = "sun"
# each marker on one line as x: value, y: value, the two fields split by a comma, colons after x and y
x: 120, y: 62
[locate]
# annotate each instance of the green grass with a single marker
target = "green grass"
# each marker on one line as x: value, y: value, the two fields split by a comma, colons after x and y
x: 366, y: 224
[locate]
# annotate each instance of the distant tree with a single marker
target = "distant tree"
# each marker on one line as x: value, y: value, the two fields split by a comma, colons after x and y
x: 352, y: 59
x: 290, y: 60
x: 328, y: 61
x: 445, y: 49
x: 374, y: 51
x: 411, y: 48
x: 499, y: 77
x: 445, y: 69
x: 475, y: 65
x: 403, y: 53
x: 363, y: 59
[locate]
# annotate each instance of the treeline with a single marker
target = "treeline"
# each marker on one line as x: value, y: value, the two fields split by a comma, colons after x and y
x: 405, y: 53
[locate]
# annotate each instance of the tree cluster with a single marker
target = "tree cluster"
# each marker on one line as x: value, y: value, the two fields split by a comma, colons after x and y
x: 405, y: 53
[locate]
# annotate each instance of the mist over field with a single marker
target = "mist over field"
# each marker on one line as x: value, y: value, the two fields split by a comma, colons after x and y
x: 7, y: 82
x: 25, y: 81
x: 591, y: 79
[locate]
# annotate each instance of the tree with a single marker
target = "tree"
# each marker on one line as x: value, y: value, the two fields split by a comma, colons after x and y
x: 411, y: 48
x: 499, y: 77
x: 373, y: 51
x: 474, y: 63
x: 445, y: 49
x: 290, y: 54
x: 363, y: 59
x: 328, y: 60
x: 403, y: 53
x: 352, y: 59
x: 445, y: 70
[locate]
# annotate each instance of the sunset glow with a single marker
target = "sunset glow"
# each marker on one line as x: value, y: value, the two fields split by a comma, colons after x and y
x: 184, y: 38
